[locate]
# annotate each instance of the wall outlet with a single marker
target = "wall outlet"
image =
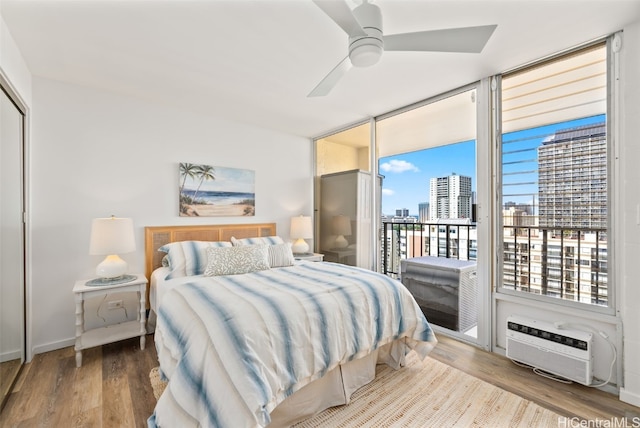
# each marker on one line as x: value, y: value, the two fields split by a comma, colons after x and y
x: 114, y: 304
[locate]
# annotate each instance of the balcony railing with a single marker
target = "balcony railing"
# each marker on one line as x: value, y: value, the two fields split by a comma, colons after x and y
x: 567, y: 263
x: 407, y: 240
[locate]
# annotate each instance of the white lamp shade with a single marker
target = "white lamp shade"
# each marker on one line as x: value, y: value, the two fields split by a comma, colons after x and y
x: 341, y: 225
x: 301, y: 227
x: 112, y: 236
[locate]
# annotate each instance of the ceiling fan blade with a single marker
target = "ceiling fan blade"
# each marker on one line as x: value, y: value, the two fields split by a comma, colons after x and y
x: 466, y: 39
x: 326, y: 85
x: 341, y: 14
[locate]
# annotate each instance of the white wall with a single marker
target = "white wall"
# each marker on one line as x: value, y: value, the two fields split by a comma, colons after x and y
x: 12, y: 65
x: 94, y: 154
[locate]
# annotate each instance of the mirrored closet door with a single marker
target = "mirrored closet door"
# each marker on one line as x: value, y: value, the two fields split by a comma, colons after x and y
x: 12, y: 238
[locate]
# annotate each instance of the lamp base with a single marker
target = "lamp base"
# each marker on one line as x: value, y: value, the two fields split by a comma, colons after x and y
x: 111, y: 267
x: 110, y: 281
x: 341, y: 242
x: 300, y: 246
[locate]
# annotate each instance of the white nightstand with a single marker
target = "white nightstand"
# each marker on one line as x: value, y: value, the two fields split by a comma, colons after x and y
x: 110, y: 333
x: 315, y: 257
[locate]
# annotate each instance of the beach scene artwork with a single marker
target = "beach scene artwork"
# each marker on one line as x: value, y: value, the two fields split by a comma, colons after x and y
x: 214, y: 191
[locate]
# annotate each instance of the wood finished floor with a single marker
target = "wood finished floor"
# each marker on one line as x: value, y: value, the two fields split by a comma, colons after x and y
x: 112, y: 388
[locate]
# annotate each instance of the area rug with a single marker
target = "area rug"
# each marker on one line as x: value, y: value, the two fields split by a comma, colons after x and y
x: 425, y: 394
x: 157, y: 384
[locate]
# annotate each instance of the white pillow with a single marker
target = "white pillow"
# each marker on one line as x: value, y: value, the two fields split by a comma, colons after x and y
x: 186, y: 258
x: 280, y: 255
x: 237, y: 260
x: 260, y: 240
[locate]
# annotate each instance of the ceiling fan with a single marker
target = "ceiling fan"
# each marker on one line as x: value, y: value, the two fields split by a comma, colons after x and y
x: 367, y: 41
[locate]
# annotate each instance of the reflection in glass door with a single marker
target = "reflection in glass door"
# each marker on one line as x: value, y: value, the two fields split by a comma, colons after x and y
x: 343, y: 186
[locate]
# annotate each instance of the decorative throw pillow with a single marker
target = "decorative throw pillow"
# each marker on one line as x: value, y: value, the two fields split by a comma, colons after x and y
x: 237, y: 260
x: 260, y: 240
x: 186, y: 258
x: 280, y: 255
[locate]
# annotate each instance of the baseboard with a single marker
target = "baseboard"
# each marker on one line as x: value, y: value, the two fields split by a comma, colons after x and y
x: 53, y: 346
x: 10, y: 355
x: 629, y: 397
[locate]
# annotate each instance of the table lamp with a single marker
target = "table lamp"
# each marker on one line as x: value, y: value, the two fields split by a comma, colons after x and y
x: 341, y: 225
x: 110, y: 237
x: 301, y: 229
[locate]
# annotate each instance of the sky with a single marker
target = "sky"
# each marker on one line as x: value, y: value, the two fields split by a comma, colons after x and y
x: 406, y: 176
x: 226, y: 179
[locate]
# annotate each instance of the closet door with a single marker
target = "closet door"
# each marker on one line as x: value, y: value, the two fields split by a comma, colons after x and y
x: 12, y: 236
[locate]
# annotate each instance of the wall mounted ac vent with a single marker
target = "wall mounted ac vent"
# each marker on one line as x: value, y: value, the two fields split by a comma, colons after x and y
x: 563, y: 352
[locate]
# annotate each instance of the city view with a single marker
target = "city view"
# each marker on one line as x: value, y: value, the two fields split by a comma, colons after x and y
x: 407, y: 176
x: 554, y: 208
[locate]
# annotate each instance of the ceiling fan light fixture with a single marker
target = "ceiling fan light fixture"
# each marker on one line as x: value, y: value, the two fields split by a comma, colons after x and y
x: 366, y: 54
x: 367, y: 41
x: 366, y: 51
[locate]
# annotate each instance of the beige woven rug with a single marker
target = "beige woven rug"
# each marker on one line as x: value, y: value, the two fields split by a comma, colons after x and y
x: 426, y: 394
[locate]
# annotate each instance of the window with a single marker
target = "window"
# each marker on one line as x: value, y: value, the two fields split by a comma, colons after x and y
x: 555, y: 177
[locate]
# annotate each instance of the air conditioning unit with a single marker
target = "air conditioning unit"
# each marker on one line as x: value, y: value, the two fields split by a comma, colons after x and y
x: 445, y: 289
x: 563, y: 352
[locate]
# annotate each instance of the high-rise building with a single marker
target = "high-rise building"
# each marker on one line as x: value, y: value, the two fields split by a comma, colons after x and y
x: 572, y: 176
x: 565, y: 253
x: 423, y: 212
x: 450, y: 197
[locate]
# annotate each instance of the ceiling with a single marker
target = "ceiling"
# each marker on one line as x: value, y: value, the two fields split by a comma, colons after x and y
x: 256, y: 61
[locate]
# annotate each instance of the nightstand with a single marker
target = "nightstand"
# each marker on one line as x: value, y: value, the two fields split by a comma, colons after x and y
x: 111, y: 333
x: 311, y: 257
x: 341, y: 255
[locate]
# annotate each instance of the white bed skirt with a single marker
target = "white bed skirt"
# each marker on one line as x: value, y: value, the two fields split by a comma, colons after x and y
x: 336, y: 387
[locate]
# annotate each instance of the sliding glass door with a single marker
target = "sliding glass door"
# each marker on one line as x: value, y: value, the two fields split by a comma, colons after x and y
x: 429, y: 233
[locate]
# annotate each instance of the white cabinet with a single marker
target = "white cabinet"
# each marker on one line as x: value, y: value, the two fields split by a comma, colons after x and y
x: 345, y: 206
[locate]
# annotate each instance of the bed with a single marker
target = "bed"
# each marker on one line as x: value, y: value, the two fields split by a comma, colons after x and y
x: 248, y: 337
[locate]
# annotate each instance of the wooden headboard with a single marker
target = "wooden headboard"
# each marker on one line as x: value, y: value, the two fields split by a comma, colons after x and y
x: 157, y: 236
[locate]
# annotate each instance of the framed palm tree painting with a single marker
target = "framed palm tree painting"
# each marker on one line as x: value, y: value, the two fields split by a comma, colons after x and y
x: 214, y: 191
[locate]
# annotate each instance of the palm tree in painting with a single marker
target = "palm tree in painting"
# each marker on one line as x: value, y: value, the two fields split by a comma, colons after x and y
x: 187, y: 170
x: 204, y: 172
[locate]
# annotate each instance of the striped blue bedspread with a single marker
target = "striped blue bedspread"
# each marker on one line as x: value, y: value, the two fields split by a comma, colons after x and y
x: 234, y: 347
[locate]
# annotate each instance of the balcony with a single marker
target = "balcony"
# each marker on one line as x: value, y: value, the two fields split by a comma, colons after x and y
x: 570, y: 263
x: 407, y: 240
x: 567, y: 263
